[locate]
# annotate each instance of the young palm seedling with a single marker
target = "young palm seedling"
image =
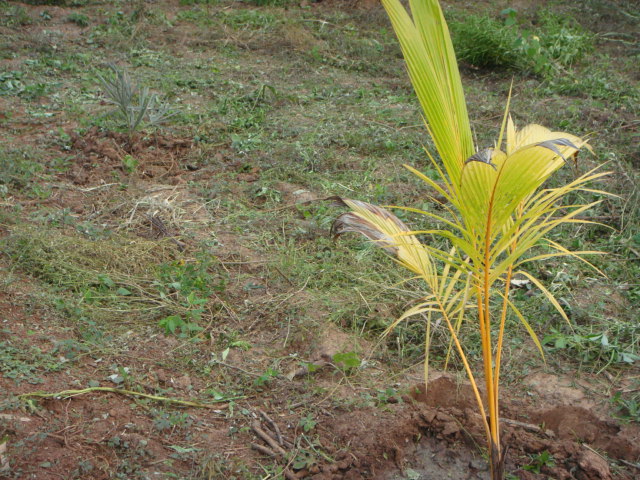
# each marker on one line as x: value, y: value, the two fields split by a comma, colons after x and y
x: 498, y: 209
x: 123, y: 93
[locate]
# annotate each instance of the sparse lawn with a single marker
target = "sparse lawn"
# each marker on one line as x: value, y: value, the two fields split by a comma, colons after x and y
x: 188, y: 257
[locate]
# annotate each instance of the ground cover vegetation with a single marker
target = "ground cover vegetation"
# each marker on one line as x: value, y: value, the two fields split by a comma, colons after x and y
x: 172, y: 300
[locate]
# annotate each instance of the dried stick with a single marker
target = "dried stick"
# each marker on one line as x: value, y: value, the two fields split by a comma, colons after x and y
x: 274, y: 426
x: 73, y: 393
x: 263, y: 449
x: 255, y: 426
x: 529, y: 427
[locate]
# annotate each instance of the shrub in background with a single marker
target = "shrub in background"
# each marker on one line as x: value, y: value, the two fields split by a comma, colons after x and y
x: 486, y: 42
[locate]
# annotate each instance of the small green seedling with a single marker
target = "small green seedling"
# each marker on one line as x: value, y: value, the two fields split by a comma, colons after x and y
x: 539, y: 461
x: 347, y: 361
x: 308, y: 423
x: 129, y: 163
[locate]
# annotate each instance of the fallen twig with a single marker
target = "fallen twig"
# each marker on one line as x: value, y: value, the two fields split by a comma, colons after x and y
x: 275, y: 449
x: 284, y: 276
x: 629, y: 464
x: 253, y: 374
x: 529, y: 427
x: 264, y: 450
x: 255, y: 426
x: 6, y: 416
x: 73, y: 393
x: 274, y: 426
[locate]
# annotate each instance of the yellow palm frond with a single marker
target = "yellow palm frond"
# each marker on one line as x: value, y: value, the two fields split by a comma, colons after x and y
x: 389, y: 233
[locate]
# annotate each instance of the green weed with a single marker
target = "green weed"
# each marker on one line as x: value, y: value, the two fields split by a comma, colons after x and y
x: 16, y: 15
x: 539, y: 462
x: 131, y: 456
x: 129, y: 163
x: 250, y: 19
x: 347, y: 361
x: 381, y: 397
x: 11, y: 83
x: 486, y: 42
x: 165, y: 420
x: 308, y: 423
x: 188, y: 284
x: 23, y: 362
x: 305, y: 459
x: 199, y: 16
x: 79, y: 19
x: 563, y: 40
x: 184, y: 278
x: 599, y: 84
x: 628, y: 406
x: 601, y: 348
x: 266, y: 377
x: 20, y: 172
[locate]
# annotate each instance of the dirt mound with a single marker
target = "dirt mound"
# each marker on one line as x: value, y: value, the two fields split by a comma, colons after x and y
x: 102, y: 155
x: 438, y: 432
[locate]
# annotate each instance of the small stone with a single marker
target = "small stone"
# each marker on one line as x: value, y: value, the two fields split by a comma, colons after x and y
x: 479, y: 465
x: 444, y: 417
x: 183, y: 382
x: 428, y: 415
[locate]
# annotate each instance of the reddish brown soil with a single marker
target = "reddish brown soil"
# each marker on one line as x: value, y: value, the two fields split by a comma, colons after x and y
x: 62, y: 436
x: 93, y: 435
x: 382, y: 441
x: 100, y: 154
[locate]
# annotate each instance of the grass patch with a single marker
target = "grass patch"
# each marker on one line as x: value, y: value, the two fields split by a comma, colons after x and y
x: 19, y: 172
x: 120, y: 279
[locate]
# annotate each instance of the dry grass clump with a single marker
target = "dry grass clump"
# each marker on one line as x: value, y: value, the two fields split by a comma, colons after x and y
x: 167, y: 211
x: 110, y: 280
x: 301, y: 39
x: 75, y: 262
